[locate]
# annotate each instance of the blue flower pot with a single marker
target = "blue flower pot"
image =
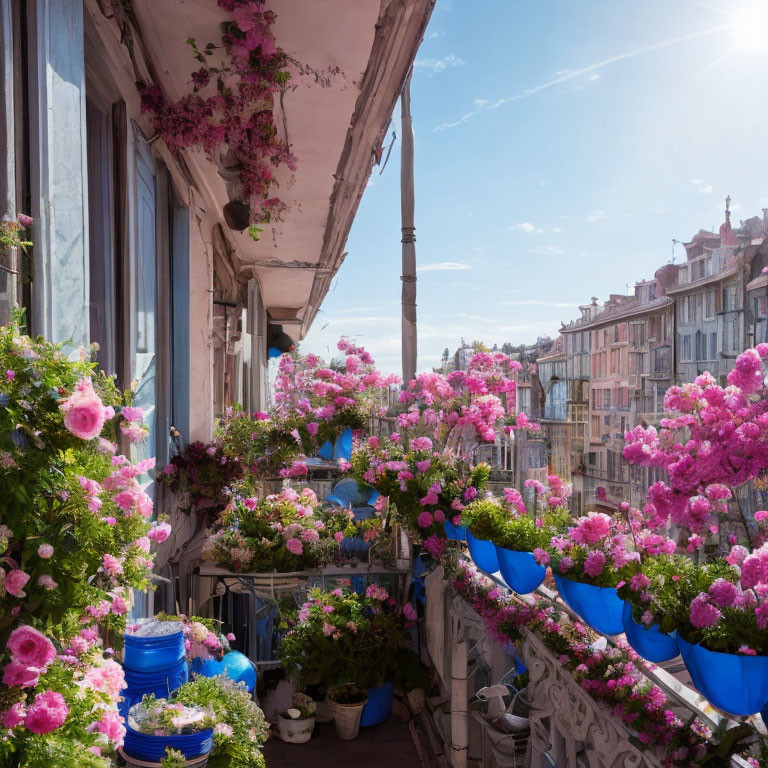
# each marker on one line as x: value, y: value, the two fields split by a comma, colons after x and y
x: 735, y: 683
x: 153, y: 654
x: 161, y: 684
x: 483, y: 553
x: 352, y: 546
x: 379, y: 705
x: 144, y: 746
x: 341, y: 449
x: 234, y: 665
x: 455, y: 532
x: 520, y: 570
x: 652, y: 644
x: 600, y: 607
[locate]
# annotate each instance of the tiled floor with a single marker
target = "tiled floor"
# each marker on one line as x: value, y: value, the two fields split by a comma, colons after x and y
x: 386, y: 746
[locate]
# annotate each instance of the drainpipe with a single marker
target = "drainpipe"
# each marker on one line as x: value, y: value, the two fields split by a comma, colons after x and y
x: 459, y: 698
x: 408, y: 237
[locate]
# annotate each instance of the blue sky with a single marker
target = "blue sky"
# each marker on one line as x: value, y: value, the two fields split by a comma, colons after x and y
x: 560, y: 145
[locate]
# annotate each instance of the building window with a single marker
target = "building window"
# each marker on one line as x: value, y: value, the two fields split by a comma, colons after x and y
x: 686, y: 347
x: 709, y: 304
x: 713, y: 353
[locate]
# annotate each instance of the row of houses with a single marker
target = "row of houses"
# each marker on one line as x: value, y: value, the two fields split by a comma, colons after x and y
x: 609, y: 369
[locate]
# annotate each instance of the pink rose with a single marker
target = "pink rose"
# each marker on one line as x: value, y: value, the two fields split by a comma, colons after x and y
x: 21, y: 675
x: 46, y: 581
x: 159, y: 532
x: 112, y: 565
x: 31, y: 647
x: 47, y: 713
x: 13, y: 716
x: 45, y: 551
x: 84, y: 413
x: 410, y: 612
x: 15, y: 581
x: 111, y: 725
x: 130, y: 413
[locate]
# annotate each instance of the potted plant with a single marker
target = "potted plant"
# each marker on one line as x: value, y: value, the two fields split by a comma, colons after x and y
x: 586, y: 560
x: 296, y: 724
x: 347, y: 703
x: 341, y: 639
x: 153, y: 725
x: 484, y: 520
x: 517, y: 539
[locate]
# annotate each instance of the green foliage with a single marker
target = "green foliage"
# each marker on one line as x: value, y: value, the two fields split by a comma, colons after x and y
x: 173, y: 759
x: 341, y: 638
x: 232, y: 705
x: 524, y: 533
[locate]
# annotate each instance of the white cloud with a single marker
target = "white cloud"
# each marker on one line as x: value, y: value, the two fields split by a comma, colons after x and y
x: 696, y: 182
x: 706, y: 189
x: 535, y: 302
x: 480, y: 103
x: 443, y: 266
x: 525, y: 226
x: 564, y: 75
x: 548, y: 250
x: 556, y: 229
x: 436, y: 66
x: 595, y: 216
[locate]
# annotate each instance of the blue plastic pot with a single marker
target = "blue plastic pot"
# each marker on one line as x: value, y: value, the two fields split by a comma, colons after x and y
x: 455, y: 532
x: 520, y: 570
x: 379, y: 705
x: 234, y: 665
x: 161, y: 684
x: 652, y: 644
x: 144, y: 746
x: 735, y: 683
x: 483, y: 553
x: 153, y: 654
x: 352, y: 546
x: 600, y: 607
x: 341, y: 449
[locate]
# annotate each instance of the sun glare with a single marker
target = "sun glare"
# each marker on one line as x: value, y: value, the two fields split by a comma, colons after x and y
x: 749, y: 27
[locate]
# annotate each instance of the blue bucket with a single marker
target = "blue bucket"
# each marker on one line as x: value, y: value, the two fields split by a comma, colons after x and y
x: 152, y: 654
x: 234, y: 665
x: 352, y: 546
x: 455, y: 532
x: 652, y: 644
x: 600, y: 607
x: 161, y: 684
x: 520, y: 570
x: 144, y: 746
x: 735, y: 683
x: 483, y: 553
x: 379, y: 705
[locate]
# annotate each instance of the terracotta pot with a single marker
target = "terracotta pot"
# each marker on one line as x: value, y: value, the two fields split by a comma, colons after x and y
x: 347, y: 718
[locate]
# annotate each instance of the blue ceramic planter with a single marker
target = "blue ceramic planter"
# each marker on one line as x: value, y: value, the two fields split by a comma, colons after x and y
x: 234, y: 665
x: 455, y: 532
x: 153, y: 654
x: 520, y: 570
x: 735, y: 683
x: 600, y: 607
x: 652, y: 644
x: 161, y: 684
x: 483, y: 553
x: 352, y: 546
x: 144, y: 746
x: 379, y: 705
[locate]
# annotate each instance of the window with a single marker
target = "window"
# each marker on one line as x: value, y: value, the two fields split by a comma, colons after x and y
x: 682, y: 310
x: 607, y: 398
x: 709, y: 304
x: 713, y: 352
x: 686, y: 347
x: 701, y: 345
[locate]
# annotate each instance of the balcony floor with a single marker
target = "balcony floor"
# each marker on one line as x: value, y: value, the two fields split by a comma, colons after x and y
x: 384, y: 746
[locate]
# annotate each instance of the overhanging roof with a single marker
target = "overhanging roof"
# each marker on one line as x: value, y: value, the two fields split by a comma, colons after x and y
x: 333, y: 131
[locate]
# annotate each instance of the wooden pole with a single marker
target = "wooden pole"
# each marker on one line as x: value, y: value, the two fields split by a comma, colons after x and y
x: 408, y: 276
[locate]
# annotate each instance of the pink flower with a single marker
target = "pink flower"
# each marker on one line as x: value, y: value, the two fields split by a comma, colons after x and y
x: 591, y: 529
x: 639, y: 582
x: 702, y: 613
x: 312, y: 428
x: 159, y: 532
x: 13, y: 716
x: 541, y: 556
x: 45, y: 551
x: 594, y: 564
x: 723, y: 593
x: 338, y: 536
x: 425, y: 519
x: 21, y: 675
x: 410, y: 612
x: 47, y: 713
x: 761, y: 514
x: 328, y: 629
x: 294, y: 546
x: 566, y: 563
x: 111, y: 725
x: 129, y: 413
x: 84, y: 414
x: 46, y: 581
x: 15, y: 581
x: 112, y: 565
x: 745, y: 649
